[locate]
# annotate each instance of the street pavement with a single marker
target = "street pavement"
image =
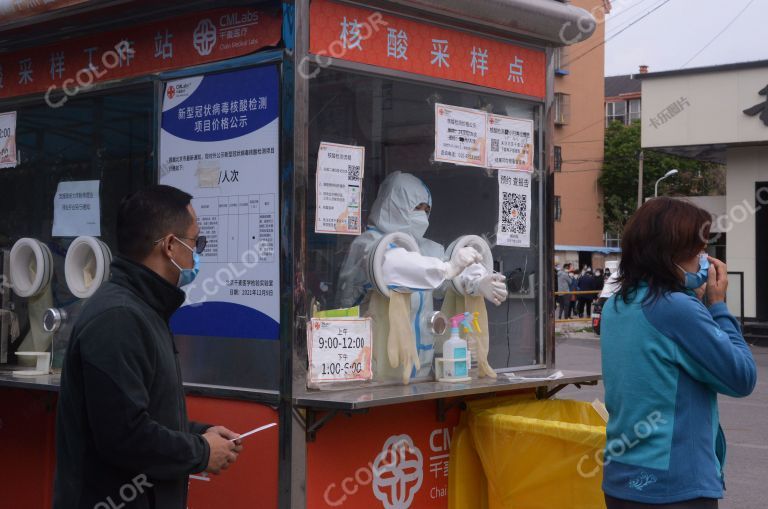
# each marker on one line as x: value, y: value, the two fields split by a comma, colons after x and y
x: 746, y: 473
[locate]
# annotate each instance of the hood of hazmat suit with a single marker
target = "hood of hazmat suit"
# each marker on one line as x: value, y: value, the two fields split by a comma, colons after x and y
x: 393, y: 211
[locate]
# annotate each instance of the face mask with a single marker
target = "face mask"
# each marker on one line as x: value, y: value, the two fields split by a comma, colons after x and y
x: 695, y: 280
x: 419, y: 223
x: 186, y: 276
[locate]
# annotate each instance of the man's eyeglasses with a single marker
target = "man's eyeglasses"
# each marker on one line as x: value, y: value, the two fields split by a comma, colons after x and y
x: 200, y: 242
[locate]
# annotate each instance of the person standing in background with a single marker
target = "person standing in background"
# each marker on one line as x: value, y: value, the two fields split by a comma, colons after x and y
x: 564, y: 285
x: 573, y: 287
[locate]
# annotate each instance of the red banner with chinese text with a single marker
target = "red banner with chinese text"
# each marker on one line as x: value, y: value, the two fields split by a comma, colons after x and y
x: 376, y: 38
x: 170, y: 44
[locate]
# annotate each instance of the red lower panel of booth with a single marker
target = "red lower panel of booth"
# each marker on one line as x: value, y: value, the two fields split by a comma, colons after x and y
x: 394, y: 456
x: 252, y: 480
x: 28, y: 448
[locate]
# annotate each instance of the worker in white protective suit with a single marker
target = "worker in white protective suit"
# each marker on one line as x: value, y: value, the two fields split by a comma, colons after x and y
x: 403, y: 205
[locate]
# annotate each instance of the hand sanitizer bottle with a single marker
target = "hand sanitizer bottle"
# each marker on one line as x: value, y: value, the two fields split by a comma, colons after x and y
x: 455, y: 352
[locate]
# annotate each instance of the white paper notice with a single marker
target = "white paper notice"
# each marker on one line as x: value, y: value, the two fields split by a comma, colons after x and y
x: 76, y: 209
x: 339, y: 350
x: 460, y: 135
x: 8, y: 140
x: 510, y: 143
x: 339, y: 181
x: 514, y: 209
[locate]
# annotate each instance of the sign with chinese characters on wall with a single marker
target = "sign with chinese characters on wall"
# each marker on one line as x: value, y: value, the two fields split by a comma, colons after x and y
x: 339, y: 350
x: 460, y: 135
x: 471, y: 137
x: 510, y: 143
x: 219, y: 142
x: 74, y: 65
x: 372, y: 37
x: 338, y: 185
x: 392, y: 457
x: 514, y: 209
x: 8, y: 156
x: 76, y: 209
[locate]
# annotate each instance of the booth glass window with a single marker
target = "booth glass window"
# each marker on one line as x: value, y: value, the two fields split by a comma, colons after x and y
x: 105, y: 137
x: 394, y: 120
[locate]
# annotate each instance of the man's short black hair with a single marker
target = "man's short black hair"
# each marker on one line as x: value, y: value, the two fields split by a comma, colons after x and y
x: 150, y: 214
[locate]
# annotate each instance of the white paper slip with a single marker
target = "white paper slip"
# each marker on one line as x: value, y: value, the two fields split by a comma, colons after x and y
x: 553, y: 376
x: 249, y: 433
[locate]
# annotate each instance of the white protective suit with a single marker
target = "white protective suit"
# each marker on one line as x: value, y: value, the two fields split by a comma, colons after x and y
x: 394, y: 211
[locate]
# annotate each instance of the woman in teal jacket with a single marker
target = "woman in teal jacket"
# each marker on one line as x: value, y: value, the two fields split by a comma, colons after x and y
x: 669, y: 346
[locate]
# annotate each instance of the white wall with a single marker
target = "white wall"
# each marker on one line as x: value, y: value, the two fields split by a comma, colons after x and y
x: 715, y: 205
x: 715, y: 114
x: 745, y: 167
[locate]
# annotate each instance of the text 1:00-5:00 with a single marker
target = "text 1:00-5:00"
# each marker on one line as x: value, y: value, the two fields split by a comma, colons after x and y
x: 337, y: 368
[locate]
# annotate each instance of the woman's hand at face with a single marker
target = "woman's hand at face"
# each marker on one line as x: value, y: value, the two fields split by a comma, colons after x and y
x: 717, y: 281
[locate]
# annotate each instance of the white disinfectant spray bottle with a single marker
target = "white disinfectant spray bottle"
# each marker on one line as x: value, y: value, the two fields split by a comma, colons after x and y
x: 454, y: 365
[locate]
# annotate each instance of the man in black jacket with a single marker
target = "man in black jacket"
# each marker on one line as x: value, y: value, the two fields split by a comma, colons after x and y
x: 122, y: 434
x: 587, y: 283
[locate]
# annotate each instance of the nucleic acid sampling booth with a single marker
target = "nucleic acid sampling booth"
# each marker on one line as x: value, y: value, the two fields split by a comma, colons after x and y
x: 374, y: 181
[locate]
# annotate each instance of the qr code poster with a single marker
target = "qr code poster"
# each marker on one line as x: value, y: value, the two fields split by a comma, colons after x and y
x: 338, y: 188
x: 514, y: 209
x: 510, y: 143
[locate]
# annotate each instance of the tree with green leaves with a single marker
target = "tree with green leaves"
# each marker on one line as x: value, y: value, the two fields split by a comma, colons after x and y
x: 620, y: 172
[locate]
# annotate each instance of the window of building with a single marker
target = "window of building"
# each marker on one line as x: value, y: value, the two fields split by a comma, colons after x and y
x: 634, y: 110
x: 559, y: 59
x: 562, y: 109
x: 558, y: 158
x: 615, y: 112
x: 558, y: 209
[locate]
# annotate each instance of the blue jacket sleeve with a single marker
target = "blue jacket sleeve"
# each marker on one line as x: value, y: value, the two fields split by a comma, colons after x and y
x: 711, y: 348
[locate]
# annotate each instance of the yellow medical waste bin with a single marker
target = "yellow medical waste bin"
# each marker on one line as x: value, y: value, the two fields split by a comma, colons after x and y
x: 534, y: 454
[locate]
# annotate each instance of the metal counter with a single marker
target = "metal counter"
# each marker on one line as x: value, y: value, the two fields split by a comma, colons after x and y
x: 40, y: 383
x: 52, y: 382
x: 369, y: 397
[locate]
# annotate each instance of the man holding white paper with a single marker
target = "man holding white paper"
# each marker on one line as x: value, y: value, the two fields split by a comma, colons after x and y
x: 123, y: 438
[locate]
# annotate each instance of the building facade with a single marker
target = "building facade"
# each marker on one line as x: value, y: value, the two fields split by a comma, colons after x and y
x: 579, y: 138
x: 720, y: 114
x: 623, y: 98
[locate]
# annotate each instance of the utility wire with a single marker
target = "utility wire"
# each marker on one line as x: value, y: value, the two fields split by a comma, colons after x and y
x: 614, y: 17
x: 557, y: 142
x: 721, y: 32
x: 602, y: 117
x: 631, y: 24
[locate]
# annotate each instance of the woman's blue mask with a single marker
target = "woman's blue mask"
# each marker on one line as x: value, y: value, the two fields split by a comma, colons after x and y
x: 694, y: 280
x: 186, y: 276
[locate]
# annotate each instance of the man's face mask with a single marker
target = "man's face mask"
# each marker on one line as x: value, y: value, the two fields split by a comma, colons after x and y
x: 419, y: 223
x: 694, y: 280
x: 186, y: 276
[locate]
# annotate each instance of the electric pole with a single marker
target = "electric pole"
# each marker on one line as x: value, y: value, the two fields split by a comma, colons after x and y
x: 640, y: 180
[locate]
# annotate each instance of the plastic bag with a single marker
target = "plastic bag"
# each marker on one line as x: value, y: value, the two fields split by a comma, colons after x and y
x: 535, y: 454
